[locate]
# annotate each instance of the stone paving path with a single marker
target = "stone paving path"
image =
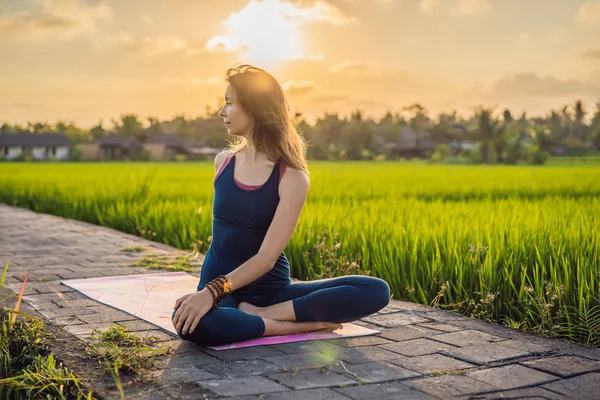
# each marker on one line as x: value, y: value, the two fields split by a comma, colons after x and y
x: 422, y: 352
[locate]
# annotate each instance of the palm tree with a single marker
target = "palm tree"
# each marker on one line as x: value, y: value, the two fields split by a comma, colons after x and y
x: 567, y: 117
x: 490, y: 132
x: 579, y: 115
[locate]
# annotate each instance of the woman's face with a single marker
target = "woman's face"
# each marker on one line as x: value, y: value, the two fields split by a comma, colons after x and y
x: 236, y: 120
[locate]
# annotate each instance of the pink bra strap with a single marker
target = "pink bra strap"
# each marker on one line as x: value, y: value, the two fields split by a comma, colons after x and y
x: 282, y: 168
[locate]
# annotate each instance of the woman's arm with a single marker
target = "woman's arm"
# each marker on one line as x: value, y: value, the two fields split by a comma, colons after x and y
x: 293, y: 191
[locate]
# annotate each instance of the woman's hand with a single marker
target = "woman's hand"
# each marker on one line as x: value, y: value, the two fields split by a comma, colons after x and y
x: 190, y: 310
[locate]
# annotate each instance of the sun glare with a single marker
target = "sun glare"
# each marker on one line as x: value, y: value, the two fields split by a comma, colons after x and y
x: 266, y: 31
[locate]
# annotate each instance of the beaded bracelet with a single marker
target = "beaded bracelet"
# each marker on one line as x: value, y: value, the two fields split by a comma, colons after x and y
x: 219, y: 288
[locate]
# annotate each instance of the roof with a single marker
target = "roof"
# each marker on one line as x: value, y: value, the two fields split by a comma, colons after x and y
x: 112, y: 139
x: 169, y: 140
x: 132, y: 143
x: 33, y: 139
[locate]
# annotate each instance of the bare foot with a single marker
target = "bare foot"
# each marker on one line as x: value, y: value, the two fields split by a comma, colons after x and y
x: 274, y: 327
x: 329, y: 326
x: 249, y: 309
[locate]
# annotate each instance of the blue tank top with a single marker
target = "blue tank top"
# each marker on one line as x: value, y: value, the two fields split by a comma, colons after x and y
x: 240, y: 222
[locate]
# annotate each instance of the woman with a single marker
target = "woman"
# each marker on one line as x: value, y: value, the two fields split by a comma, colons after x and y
x: 261, y: 185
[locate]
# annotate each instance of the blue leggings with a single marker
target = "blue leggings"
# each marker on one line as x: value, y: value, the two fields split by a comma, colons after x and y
x: 342, y: 299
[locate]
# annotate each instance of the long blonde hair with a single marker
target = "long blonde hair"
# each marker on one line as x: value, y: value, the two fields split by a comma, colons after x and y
x: 275, y: 131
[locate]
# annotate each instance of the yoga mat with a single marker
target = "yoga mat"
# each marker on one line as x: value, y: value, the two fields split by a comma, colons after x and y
x: 151, y: 297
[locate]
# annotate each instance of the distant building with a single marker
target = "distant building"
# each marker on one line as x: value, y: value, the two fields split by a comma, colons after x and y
x: 165, y: 146
x: 37, y: 146
x: 411, y: 143
x: 115, y: 147
x: 199, y: 151
x: 157, y: 147
x: 89, y: 151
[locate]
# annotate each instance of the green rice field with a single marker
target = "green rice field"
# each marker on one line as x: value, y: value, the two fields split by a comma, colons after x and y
x: 518, y: 245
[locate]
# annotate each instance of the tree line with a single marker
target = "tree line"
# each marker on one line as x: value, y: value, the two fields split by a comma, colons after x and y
x: 492, y: 136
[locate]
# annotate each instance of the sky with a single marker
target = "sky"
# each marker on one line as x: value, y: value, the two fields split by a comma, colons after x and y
x: 88, y: 61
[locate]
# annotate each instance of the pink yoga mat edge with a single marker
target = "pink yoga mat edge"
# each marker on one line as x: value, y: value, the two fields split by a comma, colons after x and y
x: 353, y: 330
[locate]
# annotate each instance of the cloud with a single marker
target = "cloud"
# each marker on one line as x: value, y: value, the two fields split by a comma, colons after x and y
x: 309, y: 91
x: 151, y: 45
x: 190, y: 81
x: 359, y: 68
x: 147, y: 19
x: 428, y: 5
x: 529, y: 84
x: 591, y: 52
x: 303, y: 88
x: 268, y: 30
x: 55, y: 19
x: 471, y: 7
x: 589, y: 12
x: 524, y: 39
x: 23, y: 105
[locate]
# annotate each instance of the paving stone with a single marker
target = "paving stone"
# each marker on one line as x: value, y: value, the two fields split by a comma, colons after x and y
x: 418, y: 347
x: 312, y: 378
x: 137, y: 325
x: 384, y: 391
x: 53, y: 269
x: 534, y: 393
x: 244, y: 353
x: 185, y: 347
x: 45, y: 287
x: 77, y: 302
x: 408, y: 332
x: 440, y: 327
x: 308, y: 394
x: 117, y: 271
x: 532, y: 348
x: 236, y: 369
x: 512, y: 376
x: 159, y: 335
x: 183, y: 374
x: 305, y: 346
x: 395, y: 319
x: 450, y: 386
x: 564, y: 366
x: 584, y: 387
x: 487, y: 353
x: 42, y: 300
x: 33, y: 277
x: 86, y: 329
x: 61, y: 321
x: 106, y: 316
x: 375, y: 372
x: 16, y: 286
x: 360, y: 341
x: 66, y: 312
x: 431, y: 363
x: 396, y: 307
x: 198, y: 360
x: 80, y: 274
x: 359, y: 355
x: 302, y: 360
x: 242, y: 386
x: 467, y: 338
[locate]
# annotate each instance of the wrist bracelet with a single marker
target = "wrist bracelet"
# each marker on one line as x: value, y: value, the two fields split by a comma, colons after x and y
x: 219, y: 288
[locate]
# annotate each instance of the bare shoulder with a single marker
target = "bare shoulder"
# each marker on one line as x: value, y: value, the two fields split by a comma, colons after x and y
x: 220, y: 159
x: 295, y: 180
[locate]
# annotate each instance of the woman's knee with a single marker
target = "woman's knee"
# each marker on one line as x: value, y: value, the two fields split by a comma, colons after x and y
x: 378, y: 292
x: 200, y: 335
